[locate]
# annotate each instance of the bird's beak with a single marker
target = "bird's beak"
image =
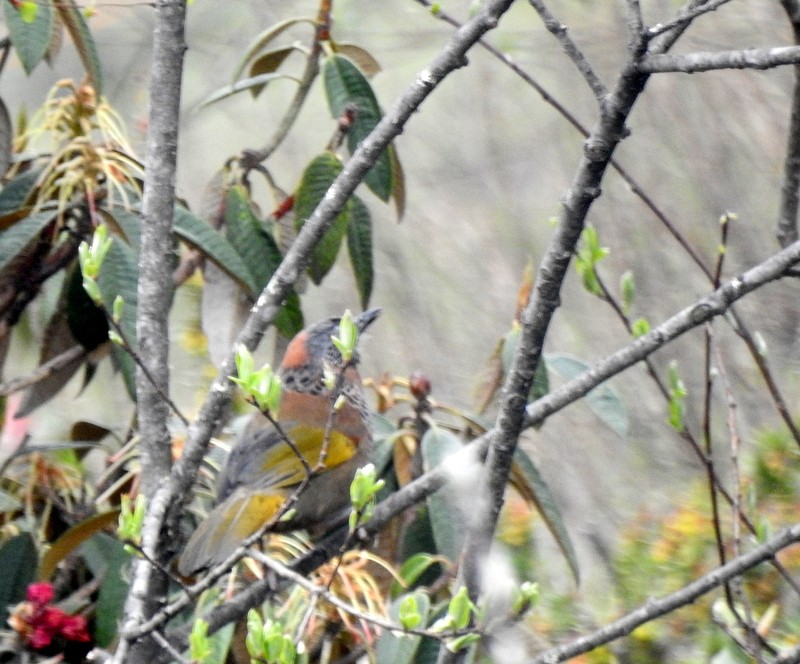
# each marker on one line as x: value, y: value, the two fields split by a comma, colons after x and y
x: 364, y: 320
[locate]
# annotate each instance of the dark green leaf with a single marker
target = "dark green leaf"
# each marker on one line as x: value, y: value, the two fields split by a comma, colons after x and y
x: 199, y: 234
x: 87, y: 322
x: 18, y: 560
x: 345, y: 85
x: 14, y: 239
x: 317, y: 178
x: 395, y: 649
x: 119, y: 275
x: 444, y: 506
x: 539, y: 493
x: 17, y: 192
x: 359, y: 246
x: 6, y: 138
x: 260, y: 254
x: 603, y: 400
x: 113, y: 590
x: 72, y: 17
x: 30, y: 40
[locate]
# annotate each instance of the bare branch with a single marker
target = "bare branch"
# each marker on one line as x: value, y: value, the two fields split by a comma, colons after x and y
x: 54, y: 364
x: 753, y: 58
x: 154, y: 301
x: 684, y: 18
x: 659, y: 607
x: 559, y: 31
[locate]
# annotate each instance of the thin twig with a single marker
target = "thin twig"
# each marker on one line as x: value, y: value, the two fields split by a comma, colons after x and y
x: 790, y: 187
x: 684, y: 18
x: 655, y: 608
x: 560, y: 32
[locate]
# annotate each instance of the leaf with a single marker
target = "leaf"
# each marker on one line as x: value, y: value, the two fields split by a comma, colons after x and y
x: 86, y: 321
x: 254, y: 84
x: 6, y: 138
x: 72, y: 17
x: 30, y: 38
x: 365, y: 61
x: 18, y: 562
x: 199, y: 234
x: 444, y: 506
x: 260, y: 253
x: 72, y: 539
x: 602, y: 400
x: 127, y: 223
x: 398, y: 184
x: 268, y: 63
x: 119, y: 275
x: 532, y: 487
x: 541, y: 381
x: 57, y: 339
x: 316, y: 180
x: 359, y: 246
x: 264, y: 38
x: 346, y: 86
x: 113, y: 590
x: 395, y: 648
x: 14, y: 239
x: 17, y: 192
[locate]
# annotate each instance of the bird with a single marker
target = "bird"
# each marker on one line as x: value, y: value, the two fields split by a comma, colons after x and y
x: 263, y: 471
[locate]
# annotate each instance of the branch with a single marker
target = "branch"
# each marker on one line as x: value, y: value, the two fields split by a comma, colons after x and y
x: 655, y: 608
x: 752, y: 58
x: 535, y: 319
x: 154, y: 301
x: 74, y: 354
x: 559, y: 31
x: 790, y: 188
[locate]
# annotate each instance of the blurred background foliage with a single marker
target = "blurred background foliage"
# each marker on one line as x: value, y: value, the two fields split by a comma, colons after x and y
x: 486, y: 163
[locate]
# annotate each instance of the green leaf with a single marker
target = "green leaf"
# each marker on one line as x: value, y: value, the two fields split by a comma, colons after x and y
x: 119, y: 275
x: 18, y: 560
x: 199, y: 234
x: 395, y: 648
x: 359, y: 246
x: 113, y: 590
x: 316, y: 180
x: 6, y: 138
x: 263, y: 39
x: 539, y: 493
x: 14, y: 239
x: 444, y: 506
x: 72, y: 17
x: 345, y: 85
x: 17, y: 192
x: 602, y: 400
x: 87, y: 322
x: 260, y: 254
x: 29, y: 37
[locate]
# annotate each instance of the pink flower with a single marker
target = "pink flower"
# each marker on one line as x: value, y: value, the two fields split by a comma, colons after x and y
x: 40, y: 593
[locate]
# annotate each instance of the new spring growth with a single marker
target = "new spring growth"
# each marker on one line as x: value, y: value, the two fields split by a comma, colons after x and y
x: 90, y: 258
x: 348, y: 337
x: 459, y: 613
x: 261, y: 387
x: 677, y: 395
x: 526, y: 597
x: 199, y: 643
x: 408, y: 612
x: 267, y: 642
x: 363, y: 490
x: 131, y: 518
